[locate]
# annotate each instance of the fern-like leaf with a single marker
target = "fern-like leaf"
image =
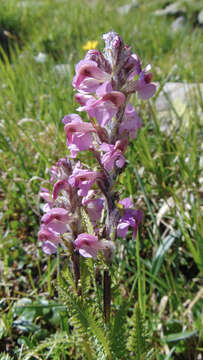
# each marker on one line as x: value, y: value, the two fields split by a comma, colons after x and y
x: 119, y: 334
x: 47, y: 346
x: 139, y: 342
x: 86, y: 321
x: 4, y: 356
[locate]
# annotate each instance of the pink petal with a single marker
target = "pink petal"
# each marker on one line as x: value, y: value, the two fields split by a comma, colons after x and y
x: 70, y: 118
x: 147, y: 91
x: 120, y: 162
x: 88, y: 252
x: 122, y: 229
x: 59, y: 186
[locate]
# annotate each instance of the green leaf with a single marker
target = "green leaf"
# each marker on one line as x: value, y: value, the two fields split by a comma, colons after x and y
x: 162, y: 251
x: 118, y: 336
x: 180, y: 336
x: 139, y: 340
x: 85, y: 319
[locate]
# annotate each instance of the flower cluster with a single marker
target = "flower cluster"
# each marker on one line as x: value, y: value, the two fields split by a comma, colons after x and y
x: 104, y: 83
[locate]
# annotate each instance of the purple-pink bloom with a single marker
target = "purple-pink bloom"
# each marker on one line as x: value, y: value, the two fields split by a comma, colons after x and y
x: 89, y: 76
x: 46, y: 196
x: 133, y: 66
x: 113, y: 155
x: 83, y: 179
x: 78, y: 134
x: 104, y: 108
x: 104, y: 89
x: 142, y: 85
x: 131, y: 122
x: 82, y: 99
x: 130, y: 218
x: 94, y: 206
x: 56, y: 220
x: 126, y: 203
x: 71, y: 118
x: 89, y: 245
x: 61, y: 171
x: 49, y: 238
x: 59, y: 186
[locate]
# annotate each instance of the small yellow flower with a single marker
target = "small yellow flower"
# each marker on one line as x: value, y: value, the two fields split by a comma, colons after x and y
x: 90, y: 45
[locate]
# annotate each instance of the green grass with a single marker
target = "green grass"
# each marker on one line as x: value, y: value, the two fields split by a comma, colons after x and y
x: 163, y: 271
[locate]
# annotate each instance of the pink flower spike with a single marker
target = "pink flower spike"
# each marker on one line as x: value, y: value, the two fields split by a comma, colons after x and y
x: 89, y: 245
x: 56, y: 220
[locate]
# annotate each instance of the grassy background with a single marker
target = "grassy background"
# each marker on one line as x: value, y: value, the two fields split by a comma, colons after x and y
x: 163, y: 173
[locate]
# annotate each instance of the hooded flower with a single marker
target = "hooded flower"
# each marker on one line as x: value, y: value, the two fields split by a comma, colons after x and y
x: 61, y: 185
x: 94, y: 206
x: 131, y: 122
x: 50, y: 239
x: 61, y: 170
x: 46, y: 196
x: 78, y: 134
x: 89, y: 76
x: 104, y: 108
x: 83, y: 179
x: 130, y: 218
x: 143, y: 85
x: 113, y: 155
x: 89, y: 245
x: 56, y: 220
x: 133, y: 66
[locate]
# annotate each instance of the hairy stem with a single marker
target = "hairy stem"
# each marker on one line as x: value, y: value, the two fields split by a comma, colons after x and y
x: 107, y: 296
x: 76, y: 270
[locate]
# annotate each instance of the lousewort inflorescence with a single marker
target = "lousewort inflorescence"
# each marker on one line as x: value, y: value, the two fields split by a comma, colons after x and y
x: 104, y: 83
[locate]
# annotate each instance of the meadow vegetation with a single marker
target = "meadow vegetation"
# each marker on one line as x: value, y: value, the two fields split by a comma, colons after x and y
x: 162, y: 271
